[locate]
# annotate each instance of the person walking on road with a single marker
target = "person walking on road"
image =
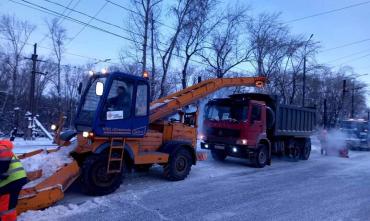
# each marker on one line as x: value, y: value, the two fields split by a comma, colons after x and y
x: 12, y: 178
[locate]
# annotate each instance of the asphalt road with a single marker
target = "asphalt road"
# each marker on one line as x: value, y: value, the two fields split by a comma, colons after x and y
x: 322, y: 188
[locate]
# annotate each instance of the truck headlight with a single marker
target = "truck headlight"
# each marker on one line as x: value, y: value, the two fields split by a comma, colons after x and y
x: 206, y: 145
x: 242, y: 142
x: 235, y: 149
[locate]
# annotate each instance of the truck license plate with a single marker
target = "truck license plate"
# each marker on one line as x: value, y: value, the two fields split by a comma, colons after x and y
x: 219, y: 147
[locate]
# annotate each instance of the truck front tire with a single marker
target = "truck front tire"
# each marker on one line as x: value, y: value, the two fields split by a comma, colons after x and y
x: 179, y: 165
x: 261, y: 156
x: 95, y: 180
x: 218, y: 155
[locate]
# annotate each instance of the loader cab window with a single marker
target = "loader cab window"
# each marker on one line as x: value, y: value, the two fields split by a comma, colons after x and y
x: 141, y: 106
x: 119, y: 100
x: 90, y: 103
x: 256, y: 113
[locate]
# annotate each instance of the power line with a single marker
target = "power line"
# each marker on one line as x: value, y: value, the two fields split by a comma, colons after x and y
x: 356, y: 59
x: 135, y: 12
x: 347, y: 45
x: 348, y: 56
x: 69, y: 53
x: 328, y: 12
x: 49, y: 11
x: 91, y: 19
x: 64, y: 11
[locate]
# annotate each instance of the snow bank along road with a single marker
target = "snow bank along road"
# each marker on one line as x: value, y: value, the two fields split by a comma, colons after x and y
x: 322, y: 188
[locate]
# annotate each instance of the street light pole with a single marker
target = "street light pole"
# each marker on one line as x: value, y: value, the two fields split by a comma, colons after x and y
x: 304, y: 72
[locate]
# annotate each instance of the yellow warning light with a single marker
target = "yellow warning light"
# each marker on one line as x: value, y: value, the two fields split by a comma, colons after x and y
x: 145, y: 74
x: 260, y: 84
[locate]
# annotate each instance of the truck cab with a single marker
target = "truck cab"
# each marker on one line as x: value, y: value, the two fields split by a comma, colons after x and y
x: 235, y: 127
x: 254, y: 126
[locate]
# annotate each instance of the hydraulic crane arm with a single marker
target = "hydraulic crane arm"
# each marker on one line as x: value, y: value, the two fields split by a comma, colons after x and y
x: 170, y: 104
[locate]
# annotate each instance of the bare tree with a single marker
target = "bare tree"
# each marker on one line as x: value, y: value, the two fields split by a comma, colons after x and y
x: 17, y: 34
x: 141, y: 18
x: 57, y: 36
x: 228, y: 50
x: 180, y: 11
x: 197, y: 25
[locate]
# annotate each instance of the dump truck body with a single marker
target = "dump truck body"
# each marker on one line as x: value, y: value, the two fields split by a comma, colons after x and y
x: 243, y: 124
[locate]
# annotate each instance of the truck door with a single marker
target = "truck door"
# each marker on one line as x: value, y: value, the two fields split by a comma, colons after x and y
x: 256, y: 123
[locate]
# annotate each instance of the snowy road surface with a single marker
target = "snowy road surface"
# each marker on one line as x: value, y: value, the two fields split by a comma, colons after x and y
x: 322, y: 188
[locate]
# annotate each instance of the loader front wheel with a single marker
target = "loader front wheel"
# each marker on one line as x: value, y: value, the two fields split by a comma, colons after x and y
x: 179, y: 165
x: 94, y: 178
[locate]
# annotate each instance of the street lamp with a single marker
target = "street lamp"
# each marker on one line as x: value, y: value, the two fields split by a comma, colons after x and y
x: 304, y: 71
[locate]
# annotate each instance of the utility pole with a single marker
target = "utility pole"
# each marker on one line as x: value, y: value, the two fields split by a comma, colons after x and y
x: 33, y: 79
x: 31, y: 115
x: 304, y: 72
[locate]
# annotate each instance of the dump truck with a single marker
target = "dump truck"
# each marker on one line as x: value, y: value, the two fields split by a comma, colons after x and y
x: 255, y: 126
x: 117, y: 127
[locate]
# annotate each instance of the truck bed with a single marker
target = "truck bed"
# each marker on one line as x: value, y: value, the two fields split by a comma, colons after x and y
x: 294, y: 121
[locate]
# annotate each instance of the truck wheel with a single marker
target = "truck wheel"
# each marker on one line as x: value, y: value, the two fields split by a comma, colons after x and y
x: 94, y: 178
x: 179, y: 165
x: 143, y: 167
x: 261, y: 156
x: 306, y: 150
x: 218, y: 155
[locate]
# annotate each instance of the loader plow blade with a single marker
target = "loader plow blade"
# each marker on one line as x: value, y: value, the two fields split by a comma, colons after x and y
x: 48, y: 191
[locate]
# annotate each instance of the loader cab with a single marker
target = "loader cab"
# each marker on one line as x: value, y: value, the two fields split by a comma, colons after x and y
x: 114, y: 105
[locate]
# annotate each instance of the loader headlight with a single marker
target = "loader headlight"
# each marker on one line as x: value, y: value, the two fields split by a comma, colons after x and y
x: 53, y: 127
x: 201, y: 137
x: 85, y: 134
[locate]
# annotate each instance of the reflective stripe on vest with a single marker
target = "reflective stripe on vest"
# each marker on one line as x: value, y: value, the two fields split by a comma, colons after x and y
x: 15, y: 172
x: 7, y: 212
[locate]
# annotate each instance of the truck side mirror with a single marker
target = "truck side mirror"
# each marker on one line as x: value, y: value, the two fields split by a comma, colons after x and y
x: 79, y: 89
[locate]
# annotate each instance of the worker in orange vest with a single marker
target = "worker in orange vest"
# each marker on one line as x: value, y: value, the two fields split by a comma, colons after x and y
x: 12, y: 178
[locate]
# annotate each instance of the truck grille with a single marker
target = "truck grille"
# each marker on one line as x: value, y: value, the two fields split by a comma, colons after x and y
x: 222, y: 132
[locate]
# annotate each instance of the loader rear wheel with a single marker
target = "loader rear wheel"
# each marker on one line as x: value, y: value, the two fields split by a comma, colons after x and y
x: 261, y: 156
x: 94, y: 178
x: 179, y: 165
x: 218, y: 155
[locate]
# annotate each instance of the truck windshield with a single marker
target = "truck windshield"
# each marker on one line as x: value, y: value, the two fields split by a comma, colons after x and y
x: 226, y: 112
x: 90, y: 103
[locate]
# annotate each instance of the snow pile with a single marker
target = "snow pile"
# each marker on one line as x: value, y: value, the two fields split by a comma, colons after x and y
x: 62, y: 211
x: 24, y: 146
x: 49, y: 163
